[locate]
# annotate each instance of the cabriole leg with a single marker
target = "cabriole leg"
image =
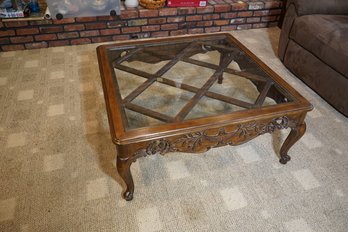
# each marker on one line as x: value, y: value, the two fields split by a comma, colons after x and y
x: 295, y: 134
x: 123, y: 169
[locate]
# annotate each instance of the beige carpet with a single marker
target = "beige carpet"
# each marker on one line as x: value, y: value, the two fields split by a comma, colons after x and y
x: 57, y: 167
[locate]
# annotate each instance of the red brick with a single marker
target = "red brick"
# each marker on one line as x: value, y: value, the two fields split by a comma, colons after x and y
x: 187, y: 25
x: 101, y: 39
x: 64, y: 21
x: 268, y: 18
x: 27, y: 31
x: 222, y: 8
x: 272, y: 4
x: 194, y: 18
x: 80, y: 41
x: 68, y: 35
x: 205, y: 23
x: 261, y: 12
x: 221, y: 22
x: 92, y: 26
x: 273, y: 24
x: 211, y: 16
x: 167, y: 11
x: 229, y: 15
x: 282, y: 4
x: 259, y: 25
x: 245, y: 14
x: 89, y: 33
x: 36, y: 45
x: 151, y: 28
x: 4, y: 40
x: 178, y: 32
x: 157, y: 21
x: 16, y: 24
x: 106, y: 18
x: 159, y: 34
x: 275, y: 12
x: 129, y: 14
x: 253, y: 20
x: 110, y: 31
x: 195, y: 30
x: 186, y: 10
x: 58, y: 43
x: 74, y: 27
x: 115, y: 24
x: 212, y: 29
x: 53, y: 29
x: 41, y: 22
x: 239, y: 6
x: 22, y: 39
x: 145, y: 13
x: 229, y: 28
x: 131, y: 30
x: 7, y: 48
x: 176, y: 19
x: 45, y: 37
x: 120, y: 37
x: 7, y: 33
x: 244, y: 27
x: 204, y: 10
x: 86, y: 19
x: 172, y: 26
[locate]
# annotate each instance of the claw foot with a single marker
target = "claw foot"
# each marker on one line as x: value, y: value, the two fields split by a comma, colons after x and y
x: 284, y: 159
x: 295, y: 134
x: 128, y: 196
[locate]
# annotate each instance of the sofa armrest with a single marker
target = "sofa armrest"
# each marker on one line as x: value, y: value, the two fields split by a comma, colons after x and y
x: 289, y: 18
x: 306, y: 7
x: 296, y: 8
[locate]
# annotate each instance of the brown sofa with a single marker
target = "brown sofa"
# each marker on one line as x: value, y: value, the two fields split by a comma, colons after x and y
x: 314, y: 46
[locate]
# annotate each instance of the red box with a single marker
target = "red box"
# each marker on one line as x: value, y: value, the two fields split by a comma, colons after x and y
x: 187, y: 3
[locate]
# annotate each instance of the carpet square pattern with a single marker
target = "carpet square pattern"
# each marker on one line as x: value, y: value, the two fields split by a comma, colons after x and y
x: 58, y: 173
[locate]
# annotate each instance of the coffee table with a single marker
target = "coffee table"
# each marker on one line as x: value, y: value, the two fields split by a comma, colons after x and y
x: 191, y: 94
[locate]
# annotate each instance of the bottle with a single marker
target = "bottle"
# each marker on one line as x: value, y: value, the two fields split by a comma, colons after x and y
x: 34, y: 6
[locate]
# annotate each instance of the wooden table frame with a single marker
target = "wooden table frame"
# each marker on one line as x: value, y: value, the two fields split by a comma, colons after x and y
x: 202, y: 134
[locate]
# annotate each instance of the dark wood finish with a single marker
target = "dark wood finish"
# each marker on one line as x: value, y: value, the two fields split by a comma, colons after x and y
x: 188, y: 87
x: 224, y: 62
x: 128, y: 55
x: 264, y: 92
x: 295, y: 134
x: 149, y: 112
x: 245, y: 74
x: 200, y: 134
x: 159, y: 73
x: 123, y: 169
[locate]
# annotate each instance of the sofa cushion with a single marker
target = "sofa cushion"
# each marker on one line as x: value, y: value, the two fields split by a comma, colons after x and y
x: 308, y: 7
x: 326, y: 37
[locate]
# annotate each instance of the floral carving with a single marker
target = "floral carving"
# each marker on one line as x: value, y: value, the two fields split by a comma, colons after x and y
x: 159, y: 146
x: 202, y: 141
x: 276, y: 124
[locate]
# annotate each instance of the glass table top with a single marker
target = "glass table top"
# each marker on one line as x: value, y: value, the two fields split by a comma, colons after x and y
x: 188, y: 79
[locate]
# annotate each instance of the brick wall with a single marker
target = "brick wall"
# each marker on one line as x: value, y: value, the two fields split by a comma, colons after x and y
x: 219, y: 15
